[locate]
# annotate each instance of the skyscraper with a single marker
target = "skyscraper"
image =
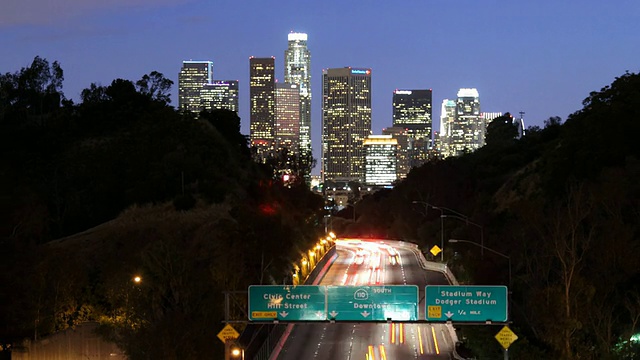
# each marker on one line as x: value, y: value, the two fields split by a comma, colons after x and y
x: 262, y: 113
x: 220, y: 94
x: 466, y: 133
x: 402, y: 137
x: 297, y: 70
x: 193, y: 76
x: 447, y: 118
x: 346, y: 122
x: 287, y: 117
x: 381, y: 153
x: 412, y: 111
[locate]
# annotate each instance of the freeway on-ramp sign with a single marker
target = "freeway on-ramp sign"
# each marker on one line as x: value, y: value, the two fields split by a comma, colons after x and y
x: 466, y: 303
x: 372, y: 303
x: 287, y: 303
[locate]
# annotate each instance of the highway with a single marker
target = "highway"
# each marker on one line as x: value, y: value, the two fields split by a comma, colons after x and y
x: 372, y: 263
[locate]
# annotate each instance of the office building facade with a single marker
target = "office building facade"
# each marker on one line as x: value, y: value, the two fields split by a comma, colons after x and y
x: 447, y: 118
x: 346, y: 122
x: 220, y: 94
x: 465, y: 132
x: 297, y: 64
x: 192, y: 77
x: 412, y: 111
x: 287, y: 117
x: 262, y: 106
x: 381, y: 153
x: 403, y: 164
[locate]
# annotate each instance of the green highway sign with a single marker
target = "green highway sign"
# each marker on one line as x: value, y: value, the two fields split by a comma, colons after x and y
x: 466, y: 303
x: 372, y: 303
x: 287, y: 303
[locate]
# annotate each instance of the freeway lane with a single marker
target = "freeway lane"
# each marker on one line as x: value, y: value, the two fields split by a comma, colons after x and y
x: 373, y: 263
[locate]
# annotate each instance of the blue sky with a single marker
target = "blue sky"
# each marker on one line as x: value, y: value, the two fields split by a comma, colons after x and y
x: 541, y: 57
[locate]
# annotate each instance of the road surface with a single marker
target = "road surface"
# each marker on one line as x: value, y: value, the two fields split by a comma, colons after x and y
x: 373, y: 263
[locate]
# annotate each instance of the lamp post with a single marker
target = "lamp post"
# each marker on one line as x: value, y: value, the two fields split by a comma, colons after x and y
x: 426, y: 206
x: 469, y: 222
x: 506, y: 351
x: 488, y: 249
x: 354, y: 211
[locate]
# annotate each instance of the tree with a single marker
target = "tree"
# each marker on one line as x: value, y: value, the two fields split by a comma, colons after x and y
x: 501, y: 131
x: 227, y: 123
x: 155, y: 86
x: 28, y: 97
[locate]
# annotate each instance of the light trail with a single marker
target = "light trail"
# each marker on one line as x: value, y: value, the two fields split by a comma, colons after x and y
x: 435, y: 341
x: 420, y: 341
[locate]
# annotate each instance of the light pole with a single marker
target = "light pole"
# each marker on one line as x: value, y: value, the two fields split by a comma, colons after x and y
x: 506, y: 351
x: 354, y: 211
x: 469, y: 222
x: 426, y: 206
x: 453, y: 241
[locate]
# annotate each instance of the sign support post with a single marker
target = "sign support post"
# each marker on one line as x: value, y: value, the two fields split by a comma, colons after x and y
x: 227, y: 349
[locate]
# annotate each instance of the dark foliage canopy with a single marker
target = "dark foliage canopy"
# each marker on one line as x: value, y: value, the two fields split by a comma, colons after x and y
x: 122, y: 184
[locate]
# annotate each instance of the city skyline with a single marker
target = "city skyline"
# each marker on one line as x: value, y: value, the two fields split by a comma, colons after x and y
x: 541, y: 58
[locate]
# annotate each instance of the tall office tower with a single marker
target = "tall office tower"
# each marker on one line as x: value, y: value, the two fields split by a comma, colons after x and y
x: 402, y: 137
x: 447, y: 118
x: 346, y: 122
x: 193, y: 75
x: 287, y: 119
x: 467, y: 130
x: 220, y: 94
x: 412, y: 111
x: 436, y: 150
x: 297, y: 70
x: 381, y: 158
x: 262, y: 84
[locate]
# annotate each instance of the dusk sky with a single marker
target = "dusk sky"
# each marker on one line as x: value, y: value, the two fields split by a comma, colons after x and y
x: 541, y: 57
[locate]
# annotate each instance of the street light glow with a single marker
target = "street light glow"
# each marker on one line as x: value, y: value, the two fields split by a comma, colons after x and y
x: 236, y: 352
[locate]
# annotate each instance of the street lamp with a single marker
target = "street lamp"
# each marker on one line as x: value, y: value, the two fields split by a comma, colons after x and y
x: 453, y: 241
x: 237, y: 352
x: 469, y: 222
x: 305, y: 268
x: 426, y: 206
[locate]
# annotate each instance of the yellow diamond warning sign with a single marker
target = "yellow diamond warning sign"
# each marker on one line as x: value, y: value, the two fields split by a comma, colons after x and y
x: 228, y: 333
x: 435, y: 250
x: 506, y: 337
